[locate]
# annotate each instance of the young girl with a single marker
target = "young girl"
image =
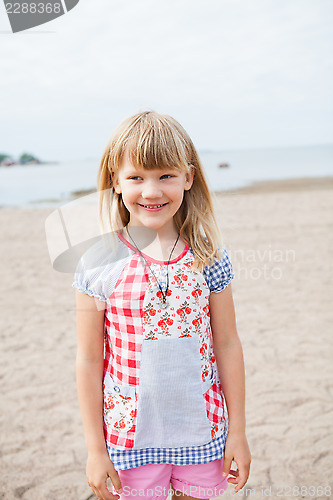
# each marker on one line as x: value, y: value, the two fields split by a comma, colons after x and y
x: 160, y: 369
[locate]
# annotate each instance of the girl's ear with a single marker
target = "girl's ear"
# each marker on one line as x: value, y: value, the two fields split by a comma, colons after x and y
x: 189, y: 177
x: 115, y: 182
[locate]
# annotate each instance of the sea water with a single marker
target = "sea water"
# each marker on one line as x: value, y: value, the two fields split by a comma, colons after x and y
x: 51, y: 185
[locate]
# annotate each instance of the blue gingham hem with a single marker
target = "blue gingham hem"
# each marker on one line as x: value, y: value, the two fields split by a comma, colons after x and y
x: 127, y: 459
x: 224, y: 285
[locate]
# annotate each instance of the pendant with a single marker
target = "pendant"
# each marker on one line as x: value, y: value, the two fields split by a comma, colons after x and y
x: 164, y: 305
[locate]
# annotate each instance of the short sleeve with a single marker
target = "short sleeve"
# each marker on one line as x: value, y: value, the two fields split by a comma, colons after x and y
x: 88, y: 280
x: 92, y: 269
x: 100, y: 267
x: 219, y: 274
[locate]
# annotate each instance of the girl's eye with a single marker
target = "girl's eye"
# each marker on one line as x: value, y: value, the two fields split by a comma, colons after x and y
x: 135, y: 177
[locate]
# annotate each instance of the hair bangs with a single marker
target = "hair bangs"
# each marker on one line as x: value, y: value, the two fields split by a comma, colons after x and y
x: 155, y: 143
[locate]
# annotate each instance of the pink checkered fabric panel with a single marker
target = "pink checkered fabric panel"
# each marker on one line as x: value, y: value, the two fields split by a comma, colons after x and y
x: 124, y: 329
x: 123, y: 338
x: 126, y: 442
x: 214, y: 404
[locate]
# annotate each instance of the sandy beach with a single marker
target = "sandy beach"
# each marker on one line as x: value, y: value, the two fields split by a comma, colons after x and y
x: 279, y: 236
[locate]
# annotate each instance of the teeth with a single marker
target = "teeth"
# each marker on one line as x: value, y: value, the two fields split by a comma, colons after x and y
x: 152, y: 206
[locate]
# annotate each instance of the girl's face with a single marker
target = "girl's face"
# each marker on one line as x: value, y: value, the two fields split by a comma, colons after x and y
x: 152, y: 197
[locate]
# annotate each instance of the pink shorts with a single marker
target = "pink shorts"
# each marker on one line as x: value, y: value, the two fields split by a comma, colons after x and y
x: 153, y: 481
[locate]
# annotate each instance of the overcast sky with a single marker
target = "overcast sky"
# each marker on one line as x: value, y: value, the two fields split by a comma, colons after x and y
x: 237, y: 74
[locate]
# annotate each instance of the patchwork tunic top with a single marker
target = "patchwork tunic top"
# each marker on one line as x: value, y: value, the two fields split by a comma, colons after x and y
x: 163, y: 401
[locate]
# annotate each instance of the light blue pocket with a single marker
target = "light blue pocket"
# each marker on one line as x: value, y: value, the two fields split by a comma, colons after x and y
x: 171, y: 407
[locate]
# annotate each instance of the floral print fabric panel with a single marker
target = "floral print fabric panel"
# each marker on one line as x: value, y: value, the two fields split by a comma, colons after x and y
x: 188, y: 313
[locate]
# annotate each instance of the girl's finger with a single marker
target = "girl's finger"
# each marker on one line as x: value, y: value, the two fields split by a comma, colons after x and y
x: 243, y: 475
x: 106, y: 494
x: 115, y: 480
x: 94, y: 490
x: 98, y: 492
x: 100, y: 495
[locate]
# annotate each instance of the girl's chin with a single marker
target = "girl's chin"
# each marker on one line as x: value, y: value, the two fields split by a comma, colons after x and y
x: 151, y: 222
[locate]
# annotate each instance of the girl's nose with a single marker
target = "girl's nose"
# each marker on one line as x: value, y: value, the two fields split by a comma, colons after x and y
x: 151, y: 190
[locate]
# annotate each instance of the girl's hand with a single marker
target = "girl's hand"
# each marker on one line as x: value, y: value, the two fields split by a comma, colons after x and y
x: 99, y: 468
x: 237, y: 450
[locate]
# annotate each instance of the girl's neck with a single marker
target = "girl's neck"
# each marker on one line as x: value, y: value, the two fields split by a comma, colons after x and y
x: 161, y: 236
x: 159, y: 246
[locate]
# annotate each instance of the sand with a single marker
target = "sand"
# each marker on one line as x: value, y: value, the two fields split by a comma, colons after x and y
x: 279, y: 237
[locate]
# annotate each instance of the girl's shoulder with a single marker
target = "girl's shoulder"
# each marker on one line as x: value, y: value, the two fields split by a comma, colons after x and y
x: 99, y: 266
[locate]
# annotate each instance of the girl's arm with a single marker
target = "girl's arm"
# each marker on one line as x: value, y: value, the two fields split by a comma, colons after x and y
x: 89, y: 376
x: 230, y: 362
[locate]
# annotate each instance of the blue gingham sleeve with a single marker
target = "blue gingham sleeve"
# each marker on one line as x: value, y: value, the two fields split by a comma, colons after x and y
x: 219, y: 274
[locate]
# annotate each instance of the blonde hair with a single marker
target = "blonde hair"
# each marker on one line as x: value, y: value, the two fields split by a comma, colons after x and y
x: 153, y: 140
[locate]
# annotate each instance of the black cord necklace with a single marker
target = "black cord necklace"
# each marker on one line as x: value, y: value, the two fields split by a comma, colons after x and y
x: 164, y: 303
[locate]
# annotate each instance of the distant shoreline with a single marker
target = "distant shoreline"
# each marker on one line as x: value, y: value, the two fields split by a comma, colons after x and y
x: 29, y: 164
x: 258, y: 187
x: 283, y: 185
x: 293, y: 184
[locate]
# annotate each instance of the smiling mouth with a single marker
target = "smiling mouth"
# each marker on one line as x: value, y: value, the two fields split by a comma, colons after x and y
x: 152, y: 206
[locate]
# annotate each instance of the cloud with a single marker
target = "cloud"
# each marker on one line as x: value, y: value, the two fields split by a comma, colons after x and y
x: 230, y: 58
